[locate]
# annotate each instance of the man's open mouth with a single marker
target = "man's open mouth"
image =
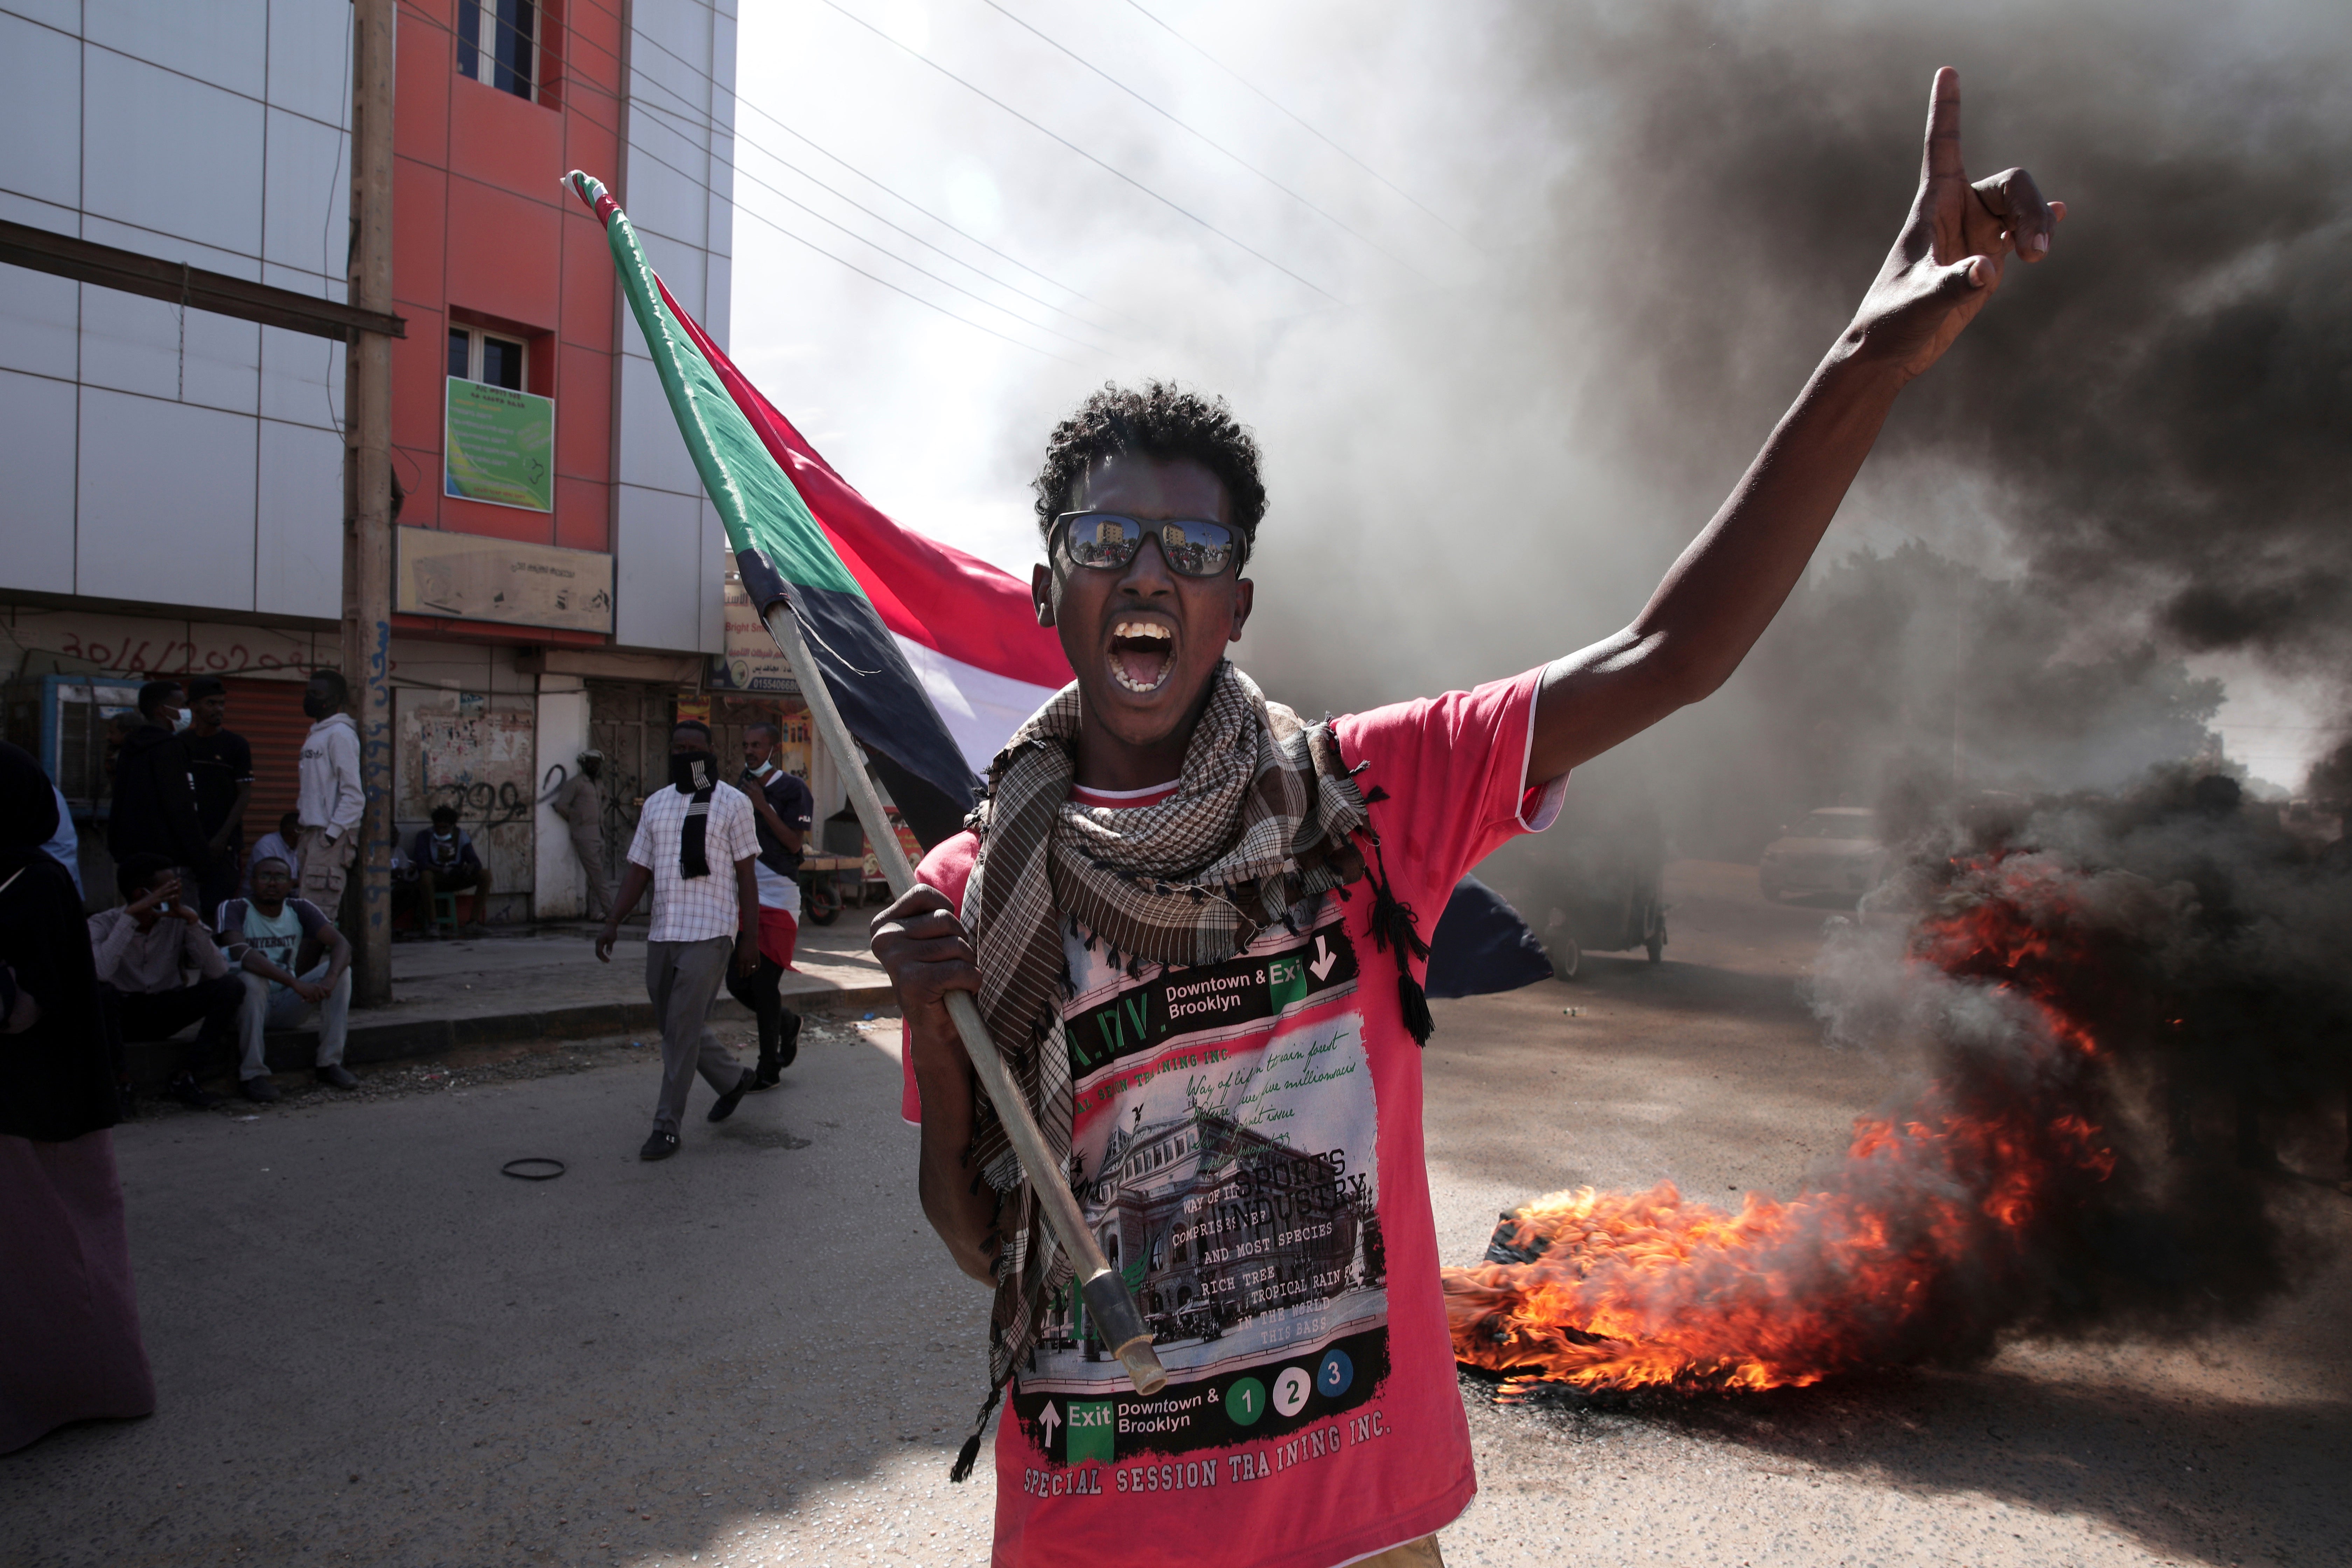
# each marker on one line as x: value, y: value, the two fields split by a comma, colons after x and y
x: 1142, y: 653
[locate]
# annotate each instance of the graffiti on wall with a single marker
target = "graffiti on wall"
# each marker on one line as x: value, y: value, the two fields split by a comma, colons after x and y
x: 475, y: 753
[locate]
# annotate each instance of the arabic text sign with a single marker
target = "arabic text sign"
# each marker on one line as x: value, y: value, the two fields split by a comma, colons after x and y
x: 499, y: 446
x: 474, y: 578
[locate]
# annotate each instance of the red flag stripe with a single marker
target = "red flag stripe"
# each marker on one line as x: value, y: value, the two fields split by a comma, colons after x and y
x: 931, y: 592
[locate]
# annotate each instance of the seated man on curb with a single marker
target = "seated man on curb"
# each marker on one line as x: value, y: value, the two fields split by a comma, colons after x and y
x: 446, y: 862
x: 141, y: 948
x: 294, y: 960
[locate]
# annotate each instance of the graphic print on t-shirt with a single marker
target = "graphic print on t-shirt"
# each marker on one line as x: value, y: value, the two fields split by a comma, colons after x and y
x: 1224, y: 1154
x: 278, y: 941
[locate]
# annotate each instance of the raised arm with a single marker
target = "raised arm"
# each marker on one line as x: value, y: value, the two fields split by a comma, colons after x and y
x: 1731, y: 581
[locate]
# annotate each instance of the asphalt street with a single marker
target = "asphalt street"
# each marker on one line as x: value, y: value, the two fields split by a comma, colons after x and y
x: 369, y: 1346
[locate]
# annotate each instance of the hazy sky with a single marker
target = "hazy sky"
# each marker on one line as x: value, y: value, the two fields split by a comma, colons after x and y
x: 1498, y: 382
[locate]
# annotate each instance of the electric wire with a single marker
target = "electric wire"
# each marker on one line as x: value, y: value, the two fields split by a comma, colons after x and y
x: 698, y: 183
x: 1111, y: 169
x: 1205, y: 138
x: 741, y: 173
x: 752, y: 212
x: 702, y: 122
x: 701, y: 119
x: 1301, y: 121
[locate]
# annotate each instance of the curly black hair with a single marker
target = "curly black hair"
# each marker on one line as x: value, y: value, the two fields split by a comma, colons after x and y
x: 1159, y: 421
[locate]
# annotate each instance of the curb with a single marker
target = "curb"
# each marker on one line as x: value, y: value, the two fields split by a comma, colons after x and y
x: 153, y: 1062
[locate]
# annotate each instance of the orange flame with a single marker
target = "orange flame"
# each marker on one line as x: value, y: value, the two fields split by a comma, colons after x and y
x: 1933, y: 1212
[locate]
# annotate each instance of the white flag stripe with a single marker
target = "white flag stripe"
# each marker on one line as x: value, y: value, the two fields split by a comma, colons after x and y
x: 981, y: 708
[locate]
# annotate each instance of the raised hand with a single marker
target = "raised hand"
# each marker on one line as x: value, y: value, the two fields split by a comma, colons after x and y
x: 1948, y: 258
x: 167, y: 886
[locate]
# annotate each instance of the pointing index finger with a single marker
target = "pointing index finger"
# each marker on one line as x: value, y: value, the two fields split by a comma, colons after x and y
x: 1942, y: 158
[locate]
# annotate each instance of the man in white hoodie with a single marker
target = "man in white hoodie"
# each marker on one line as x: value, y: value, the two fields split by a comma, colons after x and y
x: 331, y: 802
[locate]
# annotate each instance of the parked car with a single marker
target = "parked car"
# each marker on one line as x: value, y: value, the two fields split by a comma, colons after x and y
x: 1833, y: 850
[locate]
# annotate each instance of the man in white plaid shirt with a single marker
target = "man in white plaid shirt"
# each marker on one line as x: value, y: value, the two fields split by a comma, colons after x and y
x: 697, y: 843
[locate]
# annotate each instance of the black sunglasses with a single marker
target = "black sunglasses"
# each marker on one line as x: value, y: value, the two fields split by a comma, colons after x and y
x: 1190, y: 545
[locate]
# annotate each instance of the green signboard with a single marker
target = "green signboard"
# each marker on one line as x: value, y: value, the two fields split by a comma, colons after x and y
x: 499, y: 446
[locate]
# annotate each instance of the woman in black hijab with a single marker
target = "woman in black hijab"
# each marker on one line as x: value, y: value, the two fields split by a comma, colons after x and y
x: 72, y: 1349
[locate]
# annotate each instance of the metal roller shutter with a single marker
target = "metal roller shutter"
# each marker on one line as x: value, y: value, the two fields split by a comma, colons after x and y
x: 268, y: 714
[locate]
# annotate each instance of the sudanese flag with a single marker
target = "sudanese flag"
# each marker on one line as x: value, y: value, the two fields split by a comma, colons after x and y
x: 933, y: 656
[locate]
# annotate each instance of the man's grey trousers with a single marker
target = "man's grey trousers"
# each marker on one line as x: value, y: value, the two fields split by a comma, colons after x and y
x: 682, y: 978
x: 287, y: 1010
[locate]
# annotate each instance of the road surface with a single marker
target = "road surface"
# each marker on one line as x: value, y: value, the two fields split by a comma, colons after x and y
x: 370, y: 1347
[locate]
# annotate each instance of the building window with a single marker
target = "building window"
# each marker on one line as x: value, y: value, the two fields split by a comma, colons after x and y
x: 476, y: 355
x: 498, y: 43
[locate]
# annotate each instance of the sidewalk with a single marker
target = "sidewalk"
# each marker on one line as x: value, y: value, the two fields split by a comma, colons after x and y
x: 543, y: 983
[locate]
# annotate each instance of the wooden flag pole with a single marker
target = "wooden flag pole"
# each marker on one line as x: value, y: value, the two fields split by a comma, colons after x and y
x: 1115, y: 1320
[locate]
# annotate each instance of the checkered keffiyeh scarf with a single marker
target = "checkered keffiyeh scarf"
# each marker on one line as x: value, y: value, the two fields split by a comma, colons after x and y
x: 1264, y: 815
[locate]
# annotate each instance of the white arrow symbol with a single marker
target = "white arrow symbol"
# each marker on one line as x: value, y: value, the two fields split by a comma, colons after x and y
x: 1323, y: 960
x: 1047, y: 1421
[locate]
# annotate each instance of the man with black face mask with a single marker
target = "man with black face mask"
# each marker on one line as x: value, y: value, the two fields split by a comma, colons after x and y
x: 695, y: 844
x: 331, y: 800
x: 155, y: 806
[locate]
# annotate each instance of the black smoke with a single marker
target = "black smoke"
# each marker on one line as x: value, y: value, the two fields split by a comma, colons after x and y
x: 2154, y: 427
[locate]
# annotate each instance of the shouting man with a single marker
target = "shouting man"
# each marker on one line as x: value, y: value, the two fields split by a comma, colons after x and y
x: 1195, y: 926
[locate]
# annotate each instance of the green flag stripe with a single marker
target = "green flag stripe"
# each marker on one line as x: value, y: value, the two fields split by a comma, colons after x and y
x: 756, y: 500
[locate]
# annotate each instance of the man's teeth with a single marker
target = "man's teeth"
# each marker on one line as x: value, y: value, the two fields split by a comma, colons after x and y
x: 1151, y: 645
x: 1118, y: 673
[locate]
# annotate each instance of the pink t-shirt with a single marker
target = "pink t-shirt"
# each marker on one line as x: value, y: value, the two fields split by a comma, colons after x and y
x: 1250, y: 1153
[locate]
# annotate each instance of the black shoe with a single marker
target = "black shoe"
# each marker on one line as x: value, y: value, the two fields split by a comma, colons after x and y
x: 724, y: 1106
x: 259, y: 1090
x: 777, y: 1049
x: 660, y: 1145
x: 338, y: 1077
x: 183, y: 1090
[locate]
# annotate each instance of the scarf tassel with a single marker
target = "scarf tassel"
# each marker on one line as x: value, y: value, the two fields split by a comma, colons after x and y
x: 969, y: 1455
x: 1395, y: 925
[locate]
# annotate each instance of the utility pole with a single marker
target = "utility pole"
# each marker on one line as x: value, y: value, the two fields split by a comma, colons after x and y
x: 367, y: 459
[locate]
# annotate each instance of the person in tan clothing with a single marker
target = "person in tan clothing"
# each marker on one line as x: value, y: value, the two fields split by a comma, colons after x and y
x: 331, y: 800
x: 581, y: 806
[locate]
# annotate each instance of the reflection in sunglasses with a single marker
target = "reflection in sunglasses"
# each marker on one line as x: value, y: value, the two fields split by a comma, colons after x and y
x: 1193, y: 548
